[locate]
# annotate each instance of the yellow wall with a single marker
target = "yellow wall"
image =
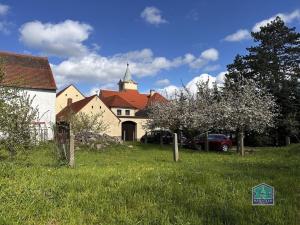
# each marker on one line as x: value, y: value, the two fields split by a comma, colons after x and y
x: 131, y: 111
x: 70, y: 92
x: 97, y: 106
x: 129, y: 86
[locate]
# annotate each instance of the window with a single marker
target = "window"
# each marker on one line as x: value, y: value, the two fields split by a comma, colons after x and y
x: 100, y: 107
x: 66, y: 94
x: 127, y: 112
x: 119, y: 112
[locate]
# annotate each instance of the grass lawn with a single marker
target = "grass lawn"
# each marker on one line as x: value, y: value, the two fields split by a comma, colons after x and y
x: 142, y: 185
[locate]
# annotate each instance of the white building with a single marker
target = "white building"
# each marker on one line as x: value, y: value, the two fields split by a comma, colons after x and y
x: 33, y: 74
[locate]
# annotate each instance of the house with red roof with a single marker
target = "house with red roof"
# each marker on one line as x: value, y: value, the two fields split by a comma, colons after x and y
x: 33, y: 74
x: 128, y: 104
x: 123, y: 109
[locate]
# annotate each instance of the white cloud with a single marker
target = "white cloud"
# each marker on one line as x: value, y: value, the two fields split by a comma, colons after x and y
x: 170, y: 90
x: 163, y: 82
x: 62, y: 39
x: 206, y: 56
x: 210, y: 54
x: 153, y: 16
x: 286, y: 17
x: 3, y: 9
x: 86, y: 65
x: 102, y: 69
x: 240, y: 35
x: 244, y: 34
x: 93, y: 91
x: 4, y: 25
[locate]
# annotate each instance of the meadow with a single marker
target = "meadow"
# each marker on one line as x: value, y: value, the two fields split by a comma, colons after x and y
x: 140, y: 184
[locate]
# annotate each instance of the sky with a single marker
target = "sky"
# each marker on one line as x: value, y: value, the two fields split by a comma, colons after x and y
x: 167, y: 43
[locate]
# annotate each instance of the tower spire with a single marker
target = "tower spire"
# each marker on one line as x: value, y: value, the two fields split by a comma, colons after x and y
x: 127, y: 76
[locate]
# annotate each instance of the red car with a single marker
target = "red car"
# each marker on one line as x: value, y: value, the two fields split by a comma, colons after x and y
x: 219, y: 142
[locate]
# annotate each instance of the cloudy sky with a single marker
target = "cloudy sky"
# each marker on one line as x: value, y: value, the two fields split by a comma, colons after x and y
x: 167, y: 43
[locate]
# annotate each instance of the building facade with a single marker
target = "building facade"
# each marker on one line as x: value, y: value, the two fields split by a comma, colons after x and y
x: 33, y: 75
x: 121, y: 109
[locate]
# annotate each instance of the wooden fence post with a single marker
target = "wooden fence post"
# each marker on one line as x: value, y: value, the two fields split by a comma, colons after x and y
x: 71, y: 151
x: 175, y: 148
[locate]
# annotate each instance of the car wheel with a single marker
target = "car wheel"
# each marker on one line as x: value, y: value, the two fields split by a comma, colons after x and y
x: 225, y: 148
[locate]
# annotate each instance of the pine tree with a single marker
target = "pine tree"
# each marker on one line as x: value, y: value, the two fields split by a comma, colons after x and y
x: 274, y: 63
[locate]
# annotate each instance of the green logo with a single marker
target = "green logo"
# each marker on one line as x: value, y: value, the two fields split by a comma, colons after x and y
x: 263, y: 194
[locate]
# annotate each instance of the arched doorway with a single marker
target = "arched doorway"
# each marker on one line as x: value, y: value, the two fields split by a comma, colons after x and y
x: 128, y: 131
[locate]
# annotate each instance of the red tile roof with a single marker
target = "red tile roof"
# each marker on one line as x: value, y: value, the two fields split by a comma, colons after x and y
x: 74, y: 107
x: 116, y: 101
x: 128, y: 98
x: 27, y: 71
x: 156, y: 97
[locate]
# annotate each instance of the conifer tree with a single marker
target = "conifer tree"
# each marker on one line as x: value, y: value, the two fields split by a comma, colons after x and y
x: 274, y: 64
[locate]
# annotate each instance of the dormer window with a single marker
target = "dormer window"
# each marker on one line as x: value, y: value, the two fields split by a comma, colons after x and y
x: 119, y: 112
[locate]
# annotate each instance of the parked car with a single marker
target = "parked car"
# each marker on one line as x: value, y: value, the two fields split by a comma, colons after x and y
x: 219, y: 142
x: 154, y: 137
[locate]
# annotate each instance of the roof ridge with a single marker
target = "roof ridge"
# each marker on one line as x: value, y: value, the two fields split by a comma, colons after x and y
x: 23, y: 55
x: 65, y: 88
x: 30, y: 71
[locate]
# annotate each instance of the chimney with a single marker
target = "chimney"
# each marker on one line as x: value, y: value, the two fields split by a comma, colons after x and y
x: 152, y: 92
x: 69, y: 102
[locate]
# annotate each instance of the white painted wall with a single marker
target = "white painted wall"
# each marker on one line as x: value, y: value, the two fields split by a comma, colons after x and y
x: 44, y: 100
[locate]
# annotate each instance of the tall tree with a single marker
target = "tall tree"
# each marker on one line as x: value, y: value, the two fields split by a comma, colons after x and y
x: 274, y: 63
x: 187, y: 112
x: 243, y: 107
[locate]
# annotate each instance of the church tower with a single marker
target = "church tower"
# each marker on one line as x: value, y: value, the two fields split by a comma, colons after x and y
x: 127, y: 83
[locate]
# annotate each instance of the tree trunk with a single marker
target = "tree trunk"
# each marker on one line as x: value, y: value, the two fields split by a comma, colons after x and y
x: 161, y: 138
x: 146, y: 138
x: 242, y: 149
x: 287, y: 140
x: 181, y: 141
x: 206, y: 142
x: 238, y: 142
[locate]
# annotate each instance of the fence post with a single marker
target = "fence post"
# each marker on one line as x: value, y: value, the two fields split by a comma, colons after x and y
x: 71, y: 151
x: 175, y: 148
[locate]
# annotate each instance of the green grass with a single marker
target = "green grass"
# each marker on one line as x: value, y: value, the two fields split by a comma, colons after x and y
x: 142, y: 185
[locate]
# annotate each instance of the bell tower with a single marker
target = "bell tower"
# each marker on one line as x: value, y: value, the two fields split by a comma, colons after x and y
x: 127, y: 83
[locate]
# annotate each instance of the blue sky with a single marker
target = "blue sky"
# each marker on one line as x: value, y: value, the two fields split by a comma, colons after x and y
x: 166, y: 43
